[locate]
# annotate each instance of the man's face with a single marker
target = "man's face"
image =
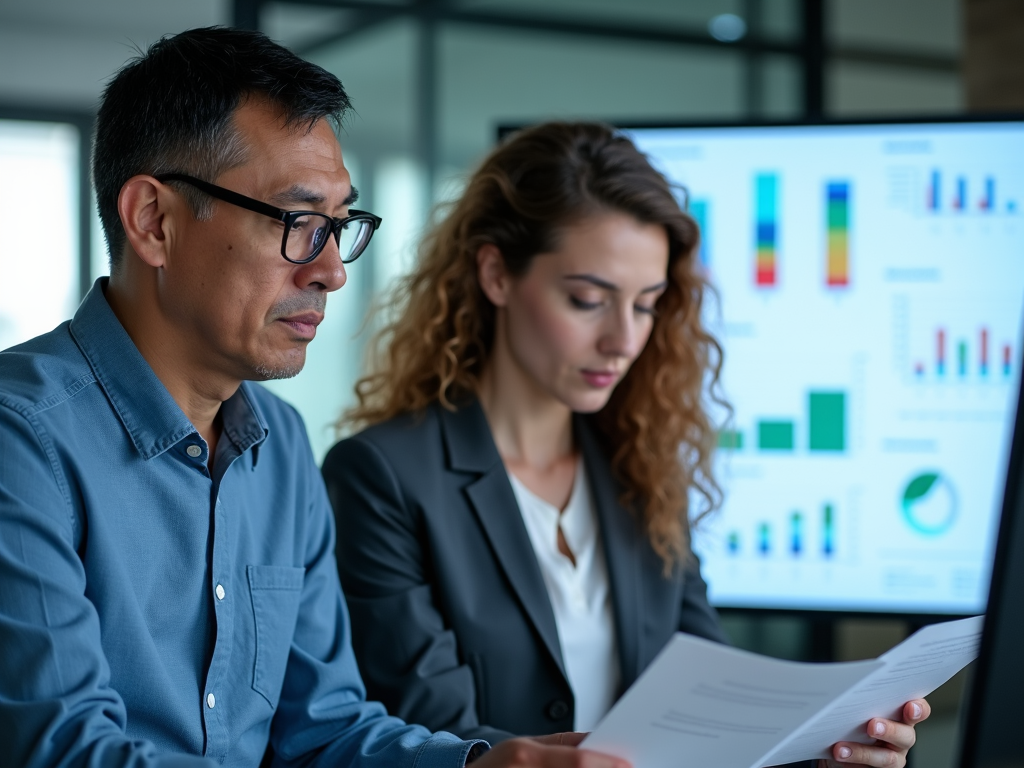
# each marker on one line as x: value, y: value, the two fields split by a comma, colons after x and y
x: 250, y: 312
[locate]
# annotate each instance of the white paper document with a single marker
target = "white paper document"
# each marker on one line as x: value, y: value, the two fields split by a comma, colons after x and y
x: 700, y: 703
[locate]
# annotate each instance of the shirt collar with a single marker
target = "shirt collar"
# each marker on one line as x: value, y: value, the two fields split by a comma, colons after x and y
x: 150, y: 415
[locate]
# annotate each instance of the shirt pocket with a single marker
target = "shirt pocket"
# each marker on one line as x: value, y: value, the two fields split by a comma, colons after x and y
x: 276, y: 592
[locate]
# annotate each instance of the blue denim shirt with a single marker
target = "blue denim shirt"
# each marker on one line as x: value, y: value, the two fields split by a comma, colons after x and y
x: 153, y: 614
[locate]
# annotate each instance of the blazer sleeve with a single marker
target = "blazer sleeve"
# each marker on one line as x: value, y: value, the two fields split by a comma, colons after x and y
x: 697, y: 617
x: 408, y: 657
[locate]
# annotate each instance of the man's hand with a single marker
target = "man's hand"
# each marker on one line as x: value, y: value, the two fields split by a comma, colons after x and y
x: 556, y: 751
x: 893, y: 741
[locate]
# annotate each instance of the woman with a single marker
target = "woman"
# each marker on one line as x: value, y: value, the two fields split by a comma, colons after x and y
x: 512, y: 521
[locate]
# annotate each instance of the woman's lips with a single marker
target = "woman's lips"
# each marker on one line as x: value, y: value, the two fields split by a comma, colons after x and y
x: 600, y: 379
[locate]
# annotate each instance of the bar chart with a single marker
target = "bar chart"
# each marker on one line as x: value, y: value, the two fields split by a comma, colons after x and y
x: 982, y: 186
x: 826, y: 428
x: 837, y: 214
x: 966, y: 357
x: 789, y: 537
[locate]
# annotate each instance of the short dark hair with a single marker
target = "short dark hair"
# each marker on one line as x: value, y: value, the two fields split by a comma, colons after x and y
x: 170, y: 109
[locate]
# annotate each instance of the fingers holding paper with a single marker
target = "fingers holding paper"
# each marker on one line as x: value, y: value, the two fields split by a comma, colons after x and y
x: 893, y: 740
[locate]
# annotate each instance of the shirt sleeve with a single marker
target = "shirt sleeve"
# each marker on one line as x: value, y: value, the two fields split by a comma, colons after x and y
x: 323, y: 717
x: 56, y: 705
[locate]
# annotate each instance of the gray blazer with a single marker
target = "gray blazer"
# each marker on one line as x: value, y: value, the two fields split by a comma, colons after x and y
x: 452, y: 625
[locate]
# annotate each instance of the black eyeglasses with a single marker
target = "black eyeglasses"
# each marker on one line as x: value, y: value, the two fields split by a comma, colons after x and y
x: 305, y: 232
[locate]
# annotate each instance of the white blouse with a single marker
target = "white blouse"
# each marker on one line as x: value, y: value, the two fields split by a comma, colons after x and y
x: 580, y: 594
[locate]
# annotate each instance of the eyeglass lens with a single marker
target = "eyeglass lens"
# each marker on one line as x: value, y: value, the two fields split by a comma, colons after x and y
x: 308, y: 234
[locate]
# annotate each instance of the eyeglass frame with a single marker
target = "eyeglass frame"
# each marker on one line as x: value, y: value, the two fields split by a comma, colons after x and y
x: 286, y: 217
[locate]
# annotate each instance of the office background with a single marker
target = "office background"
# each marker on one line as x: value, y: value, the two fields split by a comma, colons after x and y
x: 431, y: 80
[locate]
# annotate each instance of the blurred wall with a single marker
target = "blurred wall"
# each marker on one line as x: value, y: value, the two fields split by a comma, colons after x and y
x: 994, y: 55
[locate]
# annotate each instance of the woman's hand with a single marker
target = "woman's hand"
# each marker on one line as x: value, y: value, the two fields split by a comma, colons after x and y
x: 892, y: 741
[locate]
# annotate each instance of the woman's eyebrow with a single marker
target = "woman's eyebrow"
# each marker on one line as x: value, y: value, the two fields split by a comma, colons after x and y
x: 595, y: 280
x: 600, y: 283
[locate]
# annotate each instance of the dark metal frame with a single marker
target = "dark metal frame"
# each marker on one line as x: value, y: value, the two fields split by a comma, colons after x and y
x: 83, y: 121
x: 812, y: 49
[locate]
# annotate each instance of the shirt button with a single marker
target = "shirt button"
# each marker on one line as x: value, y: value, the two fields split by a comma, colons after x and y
x: 194, y: 451
x: 211, y: 700
x: 220, y: 591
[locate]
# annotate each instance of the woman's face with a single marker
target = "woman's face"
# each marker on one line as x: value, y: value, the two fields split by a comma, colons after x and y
x: 580, y: 315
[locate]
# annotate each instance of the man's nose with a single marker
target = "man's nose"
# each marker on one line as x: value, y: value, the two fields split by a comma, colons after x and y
x: 326, y: 272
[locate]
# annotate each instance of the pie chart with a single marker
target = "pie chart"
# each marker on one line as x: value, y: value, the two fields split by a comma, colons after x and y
x: 929, y: 503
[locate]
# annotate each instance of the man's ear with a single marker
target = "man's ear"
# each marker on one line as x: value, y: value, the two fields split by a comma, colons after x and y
x: 492, y: 274
x: 143, y: 205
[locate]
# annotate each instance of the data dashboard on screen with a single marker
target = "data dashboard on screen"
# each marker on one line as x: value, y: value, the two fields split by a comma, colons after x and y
x: 869, y: 292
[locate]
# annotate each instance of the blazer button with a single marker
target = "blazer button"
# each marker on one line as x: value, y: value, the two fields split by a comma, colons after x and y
x: 557, y: 709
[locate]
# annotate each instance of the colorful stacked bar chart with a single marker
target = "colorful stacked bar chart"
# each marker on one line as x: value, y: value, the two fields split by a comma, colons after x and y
x: 940, y: 352
x: 837, y: 206
x: 766, y: 189
x: 764, y: 541
x: 1006, y: 359
x: 699, y: 212
x: 960, y: 199
x: 961, y: 358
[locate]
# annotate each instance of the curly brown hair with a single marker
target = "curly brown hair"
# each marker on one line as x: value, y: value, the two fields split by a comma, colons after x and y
x: 655, y: 427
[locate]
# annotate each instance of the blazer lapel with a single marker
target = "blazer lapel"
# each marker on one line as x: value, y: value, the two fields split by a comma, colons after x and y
x: 471, y: 448
x: 622, y: 537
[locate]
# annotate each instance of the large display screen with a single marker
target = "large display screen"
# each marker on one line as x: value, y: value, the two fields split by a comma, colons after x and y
x: 870, y: 286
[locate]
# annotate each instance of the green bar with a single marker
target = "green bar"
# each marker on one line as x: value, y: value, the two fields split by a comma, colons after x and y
x: 731, y: 439
x: 827, y: 418
x: 775, y: 435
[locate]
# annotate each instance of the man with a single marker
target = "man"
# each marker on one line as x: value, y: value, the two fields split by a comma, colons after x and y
x: 168, y: 589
